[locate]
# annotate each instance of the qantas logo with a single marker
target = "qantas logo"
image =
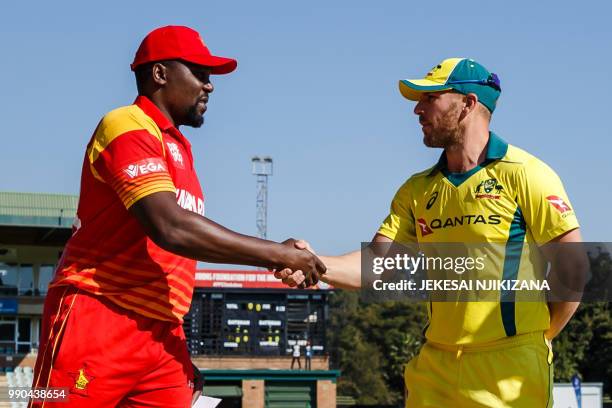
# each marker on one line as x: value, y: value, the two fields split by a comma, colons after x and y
x: 469, y: 219
x: 143, y: 167
x: 425, y: 230
x: 558, y: 203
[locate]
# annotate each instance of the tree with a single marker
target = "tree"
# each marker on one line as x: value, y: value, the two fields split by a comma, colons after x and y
x: 597, y: 366
x: 370, y: 343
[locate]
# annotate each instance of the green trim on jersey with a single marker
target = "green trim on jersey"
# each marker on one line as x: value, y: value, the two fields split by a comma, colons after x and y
x: 496, y: 150
x: 512, y: 261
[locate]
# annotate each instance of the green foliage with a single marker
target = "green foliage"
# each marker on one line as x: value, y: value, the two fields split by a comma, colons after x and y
x: 571, y: 345
x: 584, y: 347
x: 597, y: 365
x: 370, y: 343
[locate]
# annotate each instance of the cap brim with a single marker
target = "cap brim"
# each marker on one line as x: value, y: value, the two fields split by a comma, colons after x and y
x: 413, y: 88
x: 218, y: 65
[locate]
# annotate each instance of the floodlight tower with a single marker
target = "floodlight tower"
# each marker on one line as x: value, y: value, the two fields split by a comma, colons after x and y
x: 262, y: 168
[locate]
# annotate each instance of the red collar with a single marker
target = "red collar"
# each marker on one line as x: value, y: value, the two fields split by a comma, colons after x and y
x: 151, y: 110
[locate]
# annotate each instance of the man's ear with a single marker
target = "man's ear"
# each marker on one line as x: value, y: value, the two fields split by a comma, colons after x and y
x: 159, y: 73
x: 471, y: 102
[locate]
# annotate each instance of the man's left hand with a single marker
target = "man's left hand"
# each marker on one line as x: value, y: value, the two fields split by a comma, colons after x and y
x: 198, y: 384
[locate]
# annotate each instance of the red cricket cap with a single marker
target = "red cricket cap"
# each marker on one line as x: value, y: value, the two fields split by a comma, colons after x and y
x: 182, y: 43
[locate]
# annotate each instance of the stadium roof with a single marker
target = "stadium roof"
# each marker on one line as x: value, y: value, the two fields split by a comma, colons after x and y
x: 35, y: 218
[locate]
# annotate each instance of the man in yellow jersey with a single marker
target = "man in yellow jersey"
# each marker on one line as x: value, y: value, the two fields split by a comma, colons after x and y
x: 482, y: 190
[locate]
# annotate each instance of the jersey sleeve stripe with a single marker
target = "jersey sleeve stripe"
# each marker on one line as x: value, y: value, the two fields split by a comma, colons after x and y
x: 134, y: 188
x: 120, y: 183
x: 133, y: 200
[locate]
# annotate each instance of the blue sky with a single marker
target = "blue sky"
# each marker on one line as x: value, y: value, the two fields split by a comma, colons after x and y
x: 316, y: 89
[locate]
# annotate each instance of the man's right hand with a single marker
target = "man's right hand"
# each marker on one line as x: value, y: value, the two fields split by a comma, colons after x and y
x: 296, y: 277
x: 301, y: 260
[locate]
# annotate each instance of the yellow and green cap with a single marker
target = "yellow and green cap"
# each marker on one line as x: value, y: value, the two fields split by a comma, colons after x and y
x: 462, y: 75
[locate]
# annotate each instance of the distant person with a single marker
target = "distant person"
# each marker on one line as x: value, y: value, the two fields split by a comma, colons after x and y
x: 308, y: 355
x: 296, y: 356
x: 112, y: 329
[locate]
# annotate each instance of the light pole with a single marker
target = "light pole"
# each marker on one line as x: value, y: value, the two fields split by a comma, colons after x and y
x: 262, y: 168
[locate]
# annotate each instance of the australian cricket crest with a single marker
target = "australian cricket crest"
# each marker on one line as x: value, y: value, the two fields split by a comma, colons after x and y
x: 489, y: 188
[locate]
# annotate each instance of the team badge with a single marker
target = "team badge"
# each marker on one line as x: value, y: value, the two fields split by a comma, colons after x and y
x: 489, y: 189
x: 81, y: 381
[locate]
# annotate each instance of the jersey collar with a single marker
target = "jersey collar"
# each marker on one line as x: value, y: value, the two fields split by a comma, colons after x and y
x: 496, y: 149
x: 151, y: 110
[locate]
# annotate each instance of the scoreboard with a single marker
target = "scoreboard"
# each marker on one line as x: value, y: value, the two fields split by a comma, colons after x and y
x: 243, y: 313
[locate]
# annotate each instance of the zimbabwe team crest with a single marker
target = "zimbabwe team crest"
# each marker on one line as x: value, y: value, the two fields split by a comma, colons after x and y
x: 81, y: 381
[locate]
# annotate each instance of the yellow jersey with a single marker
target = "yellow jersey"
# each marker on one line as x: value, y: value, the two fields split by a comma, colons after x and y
x: 512, y: 199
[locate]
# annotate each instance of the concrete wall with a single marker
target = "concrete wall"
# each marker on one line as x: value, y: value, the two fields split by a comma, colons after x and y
x: 326, y: 394
x: 253, y: 393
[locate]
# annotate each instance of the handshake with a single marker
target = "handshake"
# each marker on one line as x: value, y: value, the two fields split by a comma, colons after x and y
x: 302, y: 268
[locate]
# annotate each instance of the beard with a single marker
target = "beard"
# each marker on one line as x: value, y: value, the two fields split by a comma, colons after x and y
x: 193, y: 117
x: 447, y: 132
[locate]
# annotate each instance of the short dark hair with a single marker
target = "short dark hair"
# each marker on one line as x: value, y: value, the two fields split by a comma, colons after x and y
x: 142, y: 74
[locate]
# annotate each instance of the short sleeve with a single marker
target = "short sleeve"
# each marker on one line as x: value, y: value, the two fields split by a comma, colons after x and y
x: 130, y: 160
x: 399, y: 225
x: 544, y: 203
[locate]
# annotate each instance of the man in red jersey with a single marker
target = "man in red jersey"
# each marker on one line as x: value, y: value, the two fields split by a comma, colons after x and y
x: 112, y: 326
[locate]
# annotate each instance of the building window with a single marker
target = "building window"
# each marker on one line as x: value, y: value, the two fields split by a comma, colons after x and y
x: 21, y: 279
x: 9, y: 277
x: 26, y: 280
x: 44, y: 277
x: 7, y: 336
x: 24, y: 339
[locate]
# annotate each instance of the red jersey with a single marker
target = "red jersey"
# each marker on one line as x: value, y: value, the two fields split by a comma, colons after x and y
x: 134, y: 152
